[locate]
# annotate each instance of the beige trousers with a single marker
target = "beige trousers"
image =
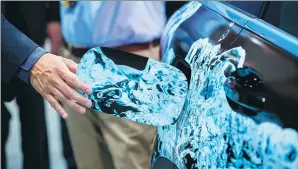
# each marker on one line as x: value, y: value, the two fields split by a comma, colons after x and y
x: 102, y: 141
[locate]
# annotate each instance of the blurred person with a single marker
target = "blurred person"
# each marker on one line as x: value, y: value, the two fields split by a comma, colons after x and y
x: 99, y: 140
x: 23, y: 60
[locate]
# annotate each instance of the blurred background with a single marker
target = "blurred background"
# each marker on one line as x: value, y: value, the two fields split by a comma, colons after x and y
x: 13, y: 147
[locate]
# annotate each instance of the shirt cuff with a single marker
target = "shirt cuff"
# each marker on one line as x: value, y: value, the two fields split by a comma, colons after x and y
x: 24, y: 73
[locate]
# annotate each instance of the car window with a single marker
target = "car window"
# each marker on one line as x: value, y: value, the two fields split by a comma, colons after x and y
x: 252, y: 7
x: 282, y: 14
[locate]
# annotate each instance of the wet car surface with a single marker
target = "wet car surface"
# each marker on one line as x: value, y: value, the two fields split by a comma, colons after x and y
x: 241, y: 110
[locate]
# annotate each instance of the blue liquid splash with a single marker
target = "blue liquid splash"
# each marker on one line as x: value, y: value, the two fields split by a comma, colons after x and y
x: 209, y: 134
x: 174, y: 22
x: 152, y: 96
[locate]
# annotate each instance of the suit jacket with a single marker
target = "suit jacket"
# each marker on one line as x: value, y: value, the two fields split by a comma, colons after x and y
x: 28, y: 22
x: 15, y: 48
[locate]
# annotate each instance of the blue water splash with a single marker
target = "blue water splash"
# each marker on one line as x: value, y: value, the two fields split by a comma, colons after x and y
x: 174, y: 22
x: 152, y: 96
x: 209, y: 134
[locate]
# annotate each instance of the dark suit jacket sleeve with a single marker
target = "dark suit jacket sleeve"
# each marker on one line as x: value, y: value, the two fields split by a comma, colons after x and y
x: 15, y: 49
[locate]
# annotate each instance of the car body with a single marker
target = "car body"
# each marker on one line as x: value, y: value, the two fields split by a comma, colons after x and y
x: 269, y: 51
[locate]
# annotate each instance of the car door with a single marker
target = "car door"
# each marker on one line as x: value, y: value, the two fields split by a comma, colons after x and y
x: 274, y: 54
x: 197, y: 20
x: 269, y: 51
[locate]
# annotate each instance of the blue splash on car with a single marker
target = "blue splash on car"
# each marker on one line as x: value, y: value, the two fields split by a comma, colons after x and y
x: 209, y: 134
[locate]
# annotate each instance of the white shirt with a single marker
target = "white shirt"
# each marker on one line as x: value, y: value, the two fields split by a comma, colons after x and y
x: 112, y: 23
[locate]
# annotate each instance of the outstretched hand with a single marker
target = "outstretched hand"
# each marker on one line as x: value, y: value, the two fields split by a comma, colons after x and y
x: 54, y: 78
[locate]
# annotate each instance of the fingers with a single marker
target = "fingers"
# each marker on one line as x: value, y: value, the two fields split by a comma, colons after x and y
x: 60, y: 97
x: 56, y: 105
x: 53, y: 77
x: 71, y: 65
x: 72, y: 94
x: 73, y: 81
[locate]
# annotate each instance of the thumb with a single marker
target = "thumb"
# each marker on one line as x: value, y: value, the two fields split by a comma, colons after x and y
x: 72, y: 66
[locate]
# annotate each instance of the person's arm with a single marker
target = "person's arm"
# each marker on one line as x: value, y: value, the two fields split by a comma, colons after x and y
x: 24, y: 72
x: 15, y: 49
x: 52, y: 76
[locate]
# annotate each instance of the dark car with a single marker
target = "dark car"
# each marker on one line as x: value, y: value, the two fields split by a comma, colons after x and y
x: 242, y: 105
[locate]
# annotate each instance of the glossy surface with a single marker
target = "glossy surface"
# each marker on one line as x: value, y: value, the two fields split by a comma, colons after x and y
x: 276, y: 36
x: 250, y: 22
x: 185, y: 26
x: 236, y: 15
x: 270, y: 51
x: 279, y: 71
x: 210, y: 132
x: 245, y: 91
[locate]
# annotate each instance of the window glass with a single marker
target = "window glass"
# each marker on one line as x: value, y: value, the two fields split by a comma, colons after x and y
x: 252, y: 7
x: 284, y: 15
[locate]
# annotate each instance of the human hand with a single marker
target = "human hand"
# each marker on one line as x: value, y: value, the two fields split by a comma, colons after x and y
x: 54, y: 78
x: 54, y: 33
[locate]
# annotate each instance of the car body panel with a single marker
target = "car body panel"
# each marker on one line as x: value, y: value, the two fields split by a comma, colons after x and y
x: 271, y: 52
x: 205, y: 23
x: 279, y: 71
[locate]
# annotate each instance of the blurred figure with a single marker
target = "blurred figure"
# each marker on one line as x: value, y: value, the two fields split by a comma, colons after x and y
x: 99, y: 140
x: 36, y: 20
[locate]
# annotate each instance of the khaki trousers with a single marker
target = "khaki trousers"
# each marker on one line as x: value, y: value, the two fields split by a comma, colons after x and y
x: 102, y: 141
